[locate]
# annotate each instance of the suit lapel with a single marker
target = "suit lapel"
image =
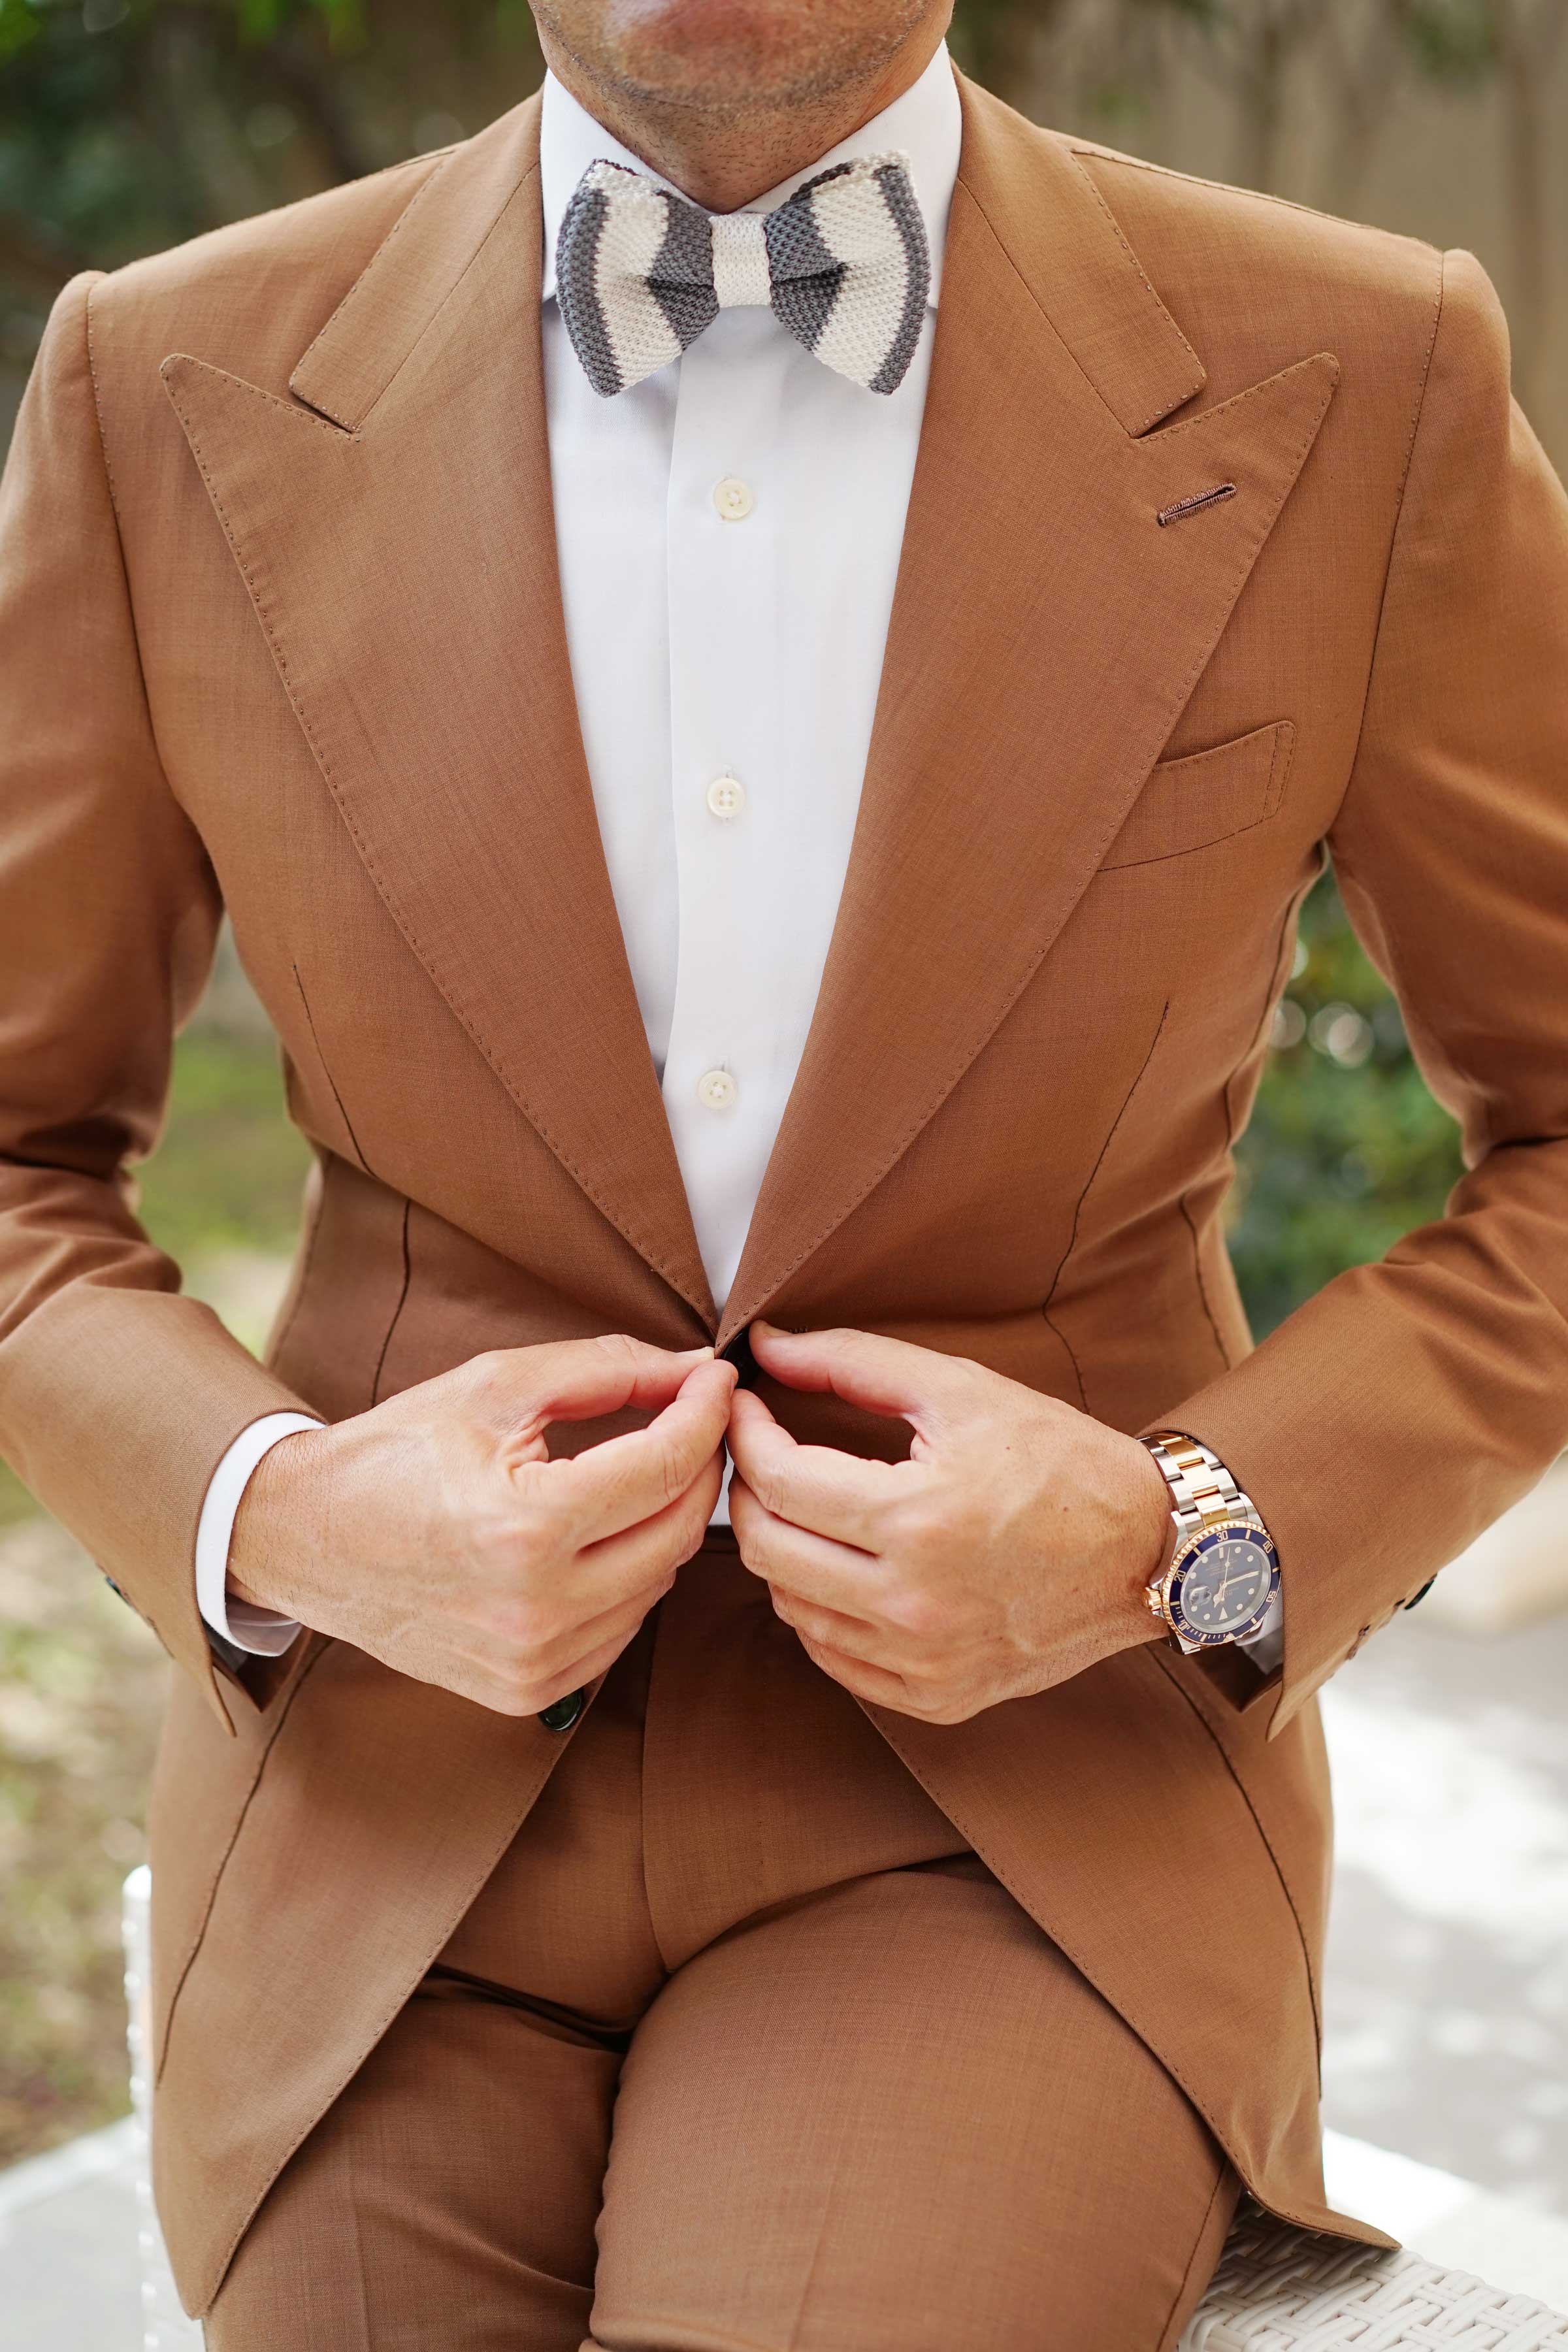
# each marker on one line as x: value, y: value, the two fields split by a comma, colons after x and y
x: 1045, y: 634
x: 393, y: 524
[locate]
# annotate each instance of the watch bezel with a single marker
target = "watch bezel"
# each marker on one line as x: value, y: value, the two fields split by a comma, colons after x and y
x: 1170, y: 1584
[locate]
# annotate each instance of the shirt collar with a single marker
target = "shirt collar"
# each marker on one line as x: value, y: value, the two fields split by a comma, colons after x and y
x: 926, y: 124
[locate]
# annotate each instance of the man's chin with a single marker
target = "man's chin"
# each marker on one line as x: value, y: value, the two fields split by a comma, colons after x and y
x: 718, y: 57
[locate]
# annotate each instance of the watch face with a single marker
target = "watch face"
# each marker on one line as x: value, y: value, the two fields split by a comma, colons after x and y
x: 1224, y: 1584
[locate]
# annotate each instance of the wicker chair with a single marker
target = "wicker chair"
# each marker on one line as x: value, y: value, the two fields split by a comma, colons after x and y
x: 1277, y: 2289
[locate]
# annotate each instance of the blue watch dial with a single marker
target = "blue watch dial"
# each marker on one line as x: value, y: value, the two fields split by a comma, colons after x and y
x: 1225, y: 1584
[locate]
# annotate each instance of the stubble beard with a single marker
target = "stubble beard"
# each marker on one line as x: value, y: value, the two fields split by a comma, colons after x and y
x: 800, y: 68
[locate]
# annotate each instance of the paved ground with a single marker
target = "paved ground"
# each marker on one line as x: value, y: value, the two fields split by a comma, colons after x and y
x: 1447, y: 1996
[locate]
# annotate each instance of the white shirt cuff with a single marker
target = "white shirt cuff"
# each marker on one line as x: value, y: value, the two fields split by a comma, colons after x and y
x: 262, y: 1631
x: 1266, y: 1646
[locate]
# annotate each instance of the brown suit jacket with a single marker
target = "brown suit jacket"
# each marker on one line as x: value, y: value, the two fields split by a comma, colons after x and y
x: 281, y: 631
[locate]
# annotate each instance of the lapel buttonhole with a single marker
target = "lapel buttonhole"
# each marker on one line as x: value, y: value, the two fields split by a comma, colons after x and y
x: 1195, y: 504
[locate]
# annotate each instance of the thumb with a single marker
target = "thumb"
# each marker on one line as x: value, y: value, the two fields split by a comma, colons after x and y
x: 578, y: 1380
x: 927, y: 1389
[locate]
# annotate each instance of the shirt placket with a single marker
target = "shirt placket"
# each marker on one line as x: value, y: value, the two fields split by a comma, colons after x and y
x: 726, y: 748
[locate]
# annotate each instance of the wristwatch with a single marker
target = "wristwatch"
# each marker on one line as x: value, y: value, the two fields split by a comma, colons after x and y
x: 1225, y: 1571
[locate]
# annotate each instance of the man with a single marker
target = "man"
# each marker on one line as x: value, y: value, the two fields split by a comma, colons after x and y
x: 892, y: 1918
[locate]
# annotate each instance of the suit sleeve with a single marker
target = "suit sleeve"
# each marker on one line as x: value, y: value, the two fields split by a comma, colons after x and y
x: 118, y: 1396
x: 1395, y: 1414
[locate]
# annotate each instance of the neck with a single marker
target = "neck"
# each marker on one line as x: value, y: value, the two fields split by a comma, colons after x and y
x: 724, y: 162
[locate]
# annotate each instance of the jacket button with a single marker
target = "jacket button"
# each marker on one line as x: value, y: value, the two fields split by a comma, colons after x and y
x: 738, y: 1353
x: 564, y: 1714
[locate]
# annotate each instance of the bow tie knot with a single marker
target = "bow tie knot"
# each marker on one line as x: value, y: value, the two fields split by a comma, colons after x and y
x: 844, y: 265
x: 742, y: 279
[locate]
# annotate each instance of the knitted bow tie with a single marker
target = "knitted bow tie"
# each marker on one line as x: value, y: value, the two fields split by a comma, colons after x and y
x: 844, y: 263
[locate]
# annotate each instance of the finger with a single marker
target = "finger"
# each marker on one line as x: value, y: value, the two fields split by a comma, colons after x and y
x: 817, y: 1569
x: 631, y: 1477
x: 577, y: 1380
x: 623, y: 1565
x: 891, y: 1376
x: 870, y: 1683
x: 857, y: 1637
x: 619, y: 1622
x: 585, y: 1669
x: 815, y: 1486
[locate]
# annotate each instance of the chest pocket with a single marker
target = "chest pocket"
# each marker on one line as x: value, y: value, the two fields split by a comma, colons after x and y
x: 1206, y: 797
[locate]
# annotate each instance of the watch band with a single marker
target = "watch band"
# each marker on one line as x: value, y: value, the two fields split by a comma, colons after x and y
x: 1202, y: 1491
x: 1203, y: 1496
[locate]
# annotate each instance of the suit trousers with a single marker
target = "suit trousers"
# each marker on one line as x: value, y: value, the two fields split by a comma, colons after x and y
x: 741, y: 2049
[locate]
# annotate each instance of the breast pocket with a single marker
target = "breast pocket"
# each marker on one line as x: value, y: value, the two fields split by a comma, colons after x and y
x: 1206, y: 797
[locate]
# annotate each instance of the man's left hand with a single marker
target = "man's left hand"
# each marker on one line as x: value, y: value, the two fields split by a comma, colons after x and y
x: 1008, y: 1552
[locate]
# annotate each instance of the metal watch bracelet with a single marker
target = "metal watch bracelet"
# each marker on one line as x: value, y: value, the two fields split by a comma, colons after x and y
x: 1202, y: 1491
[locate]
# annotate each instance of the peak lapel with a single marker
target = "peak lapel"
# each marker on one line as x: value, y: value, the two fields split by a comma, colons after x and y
x: 397, y: 537
x: 1045, y: 634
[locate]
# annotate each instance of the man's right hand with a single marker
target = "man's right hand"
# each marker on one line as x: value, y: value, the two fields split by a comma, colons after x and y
x: 435, y: 1532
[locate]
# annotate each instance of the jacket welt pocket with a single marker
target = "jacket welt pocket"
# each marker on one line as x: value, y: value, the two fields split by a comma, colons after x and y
x: 1206, y: 797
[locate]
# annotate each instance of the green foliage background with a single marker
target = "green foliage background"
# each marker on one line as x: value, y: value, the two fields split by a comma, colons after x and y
x: 1342, y: 1157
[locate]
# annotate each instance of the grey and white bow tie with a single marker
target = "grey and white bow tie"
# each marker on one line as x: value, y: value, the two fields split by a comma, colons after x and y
x: 844, y: 263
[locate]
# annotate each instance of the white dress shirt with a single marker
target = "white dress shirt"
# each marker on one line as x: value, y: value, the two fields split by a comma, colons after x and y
x: 727, y: 534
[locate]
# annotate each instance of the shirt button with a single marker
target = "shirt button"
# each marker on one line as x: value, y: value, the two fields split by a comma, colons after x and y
x: 726, y: 796
x: 734, y: 499
x: 716, y: 1090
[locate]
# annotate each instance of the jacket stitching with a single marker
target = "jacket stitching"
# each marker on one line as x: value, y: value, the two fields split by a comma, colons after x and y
x: 1228, y: 1108
x: 396, y: 1312
x: 1220, y: 1750
x: 1165, y: 318
x: 532, y: 174
x: 301, y: 415
x: 1083, y: 1195
x: 425, y: 185
x: 946, y: 1084
x: 1231, y: 188
x: 1280, y: 766
x: 1199, y: 501
x: 210, y: 1686
x: 199, y: 1935
x: 1284, y: 733
x: 529, y: 174
x: 1416, y: 414
x: 1224, y: 2166
x: 342, y: 1108
x: 1209, y: 1315
x: 1176, y: 2073
x: 383, y: 2017
x: 1035, y: 299
x: 98, y: 407
x: 280, y: 1339
x: 1206, y: 416
x: 373, y: 864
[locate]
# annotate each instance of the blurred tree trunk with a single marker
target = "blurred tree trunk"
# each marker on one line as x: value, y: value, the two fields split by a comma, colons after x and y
x: 1529, y: 40
x: 1261, y: 87
x: 1364, y: 56
x: 1248, y: 48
